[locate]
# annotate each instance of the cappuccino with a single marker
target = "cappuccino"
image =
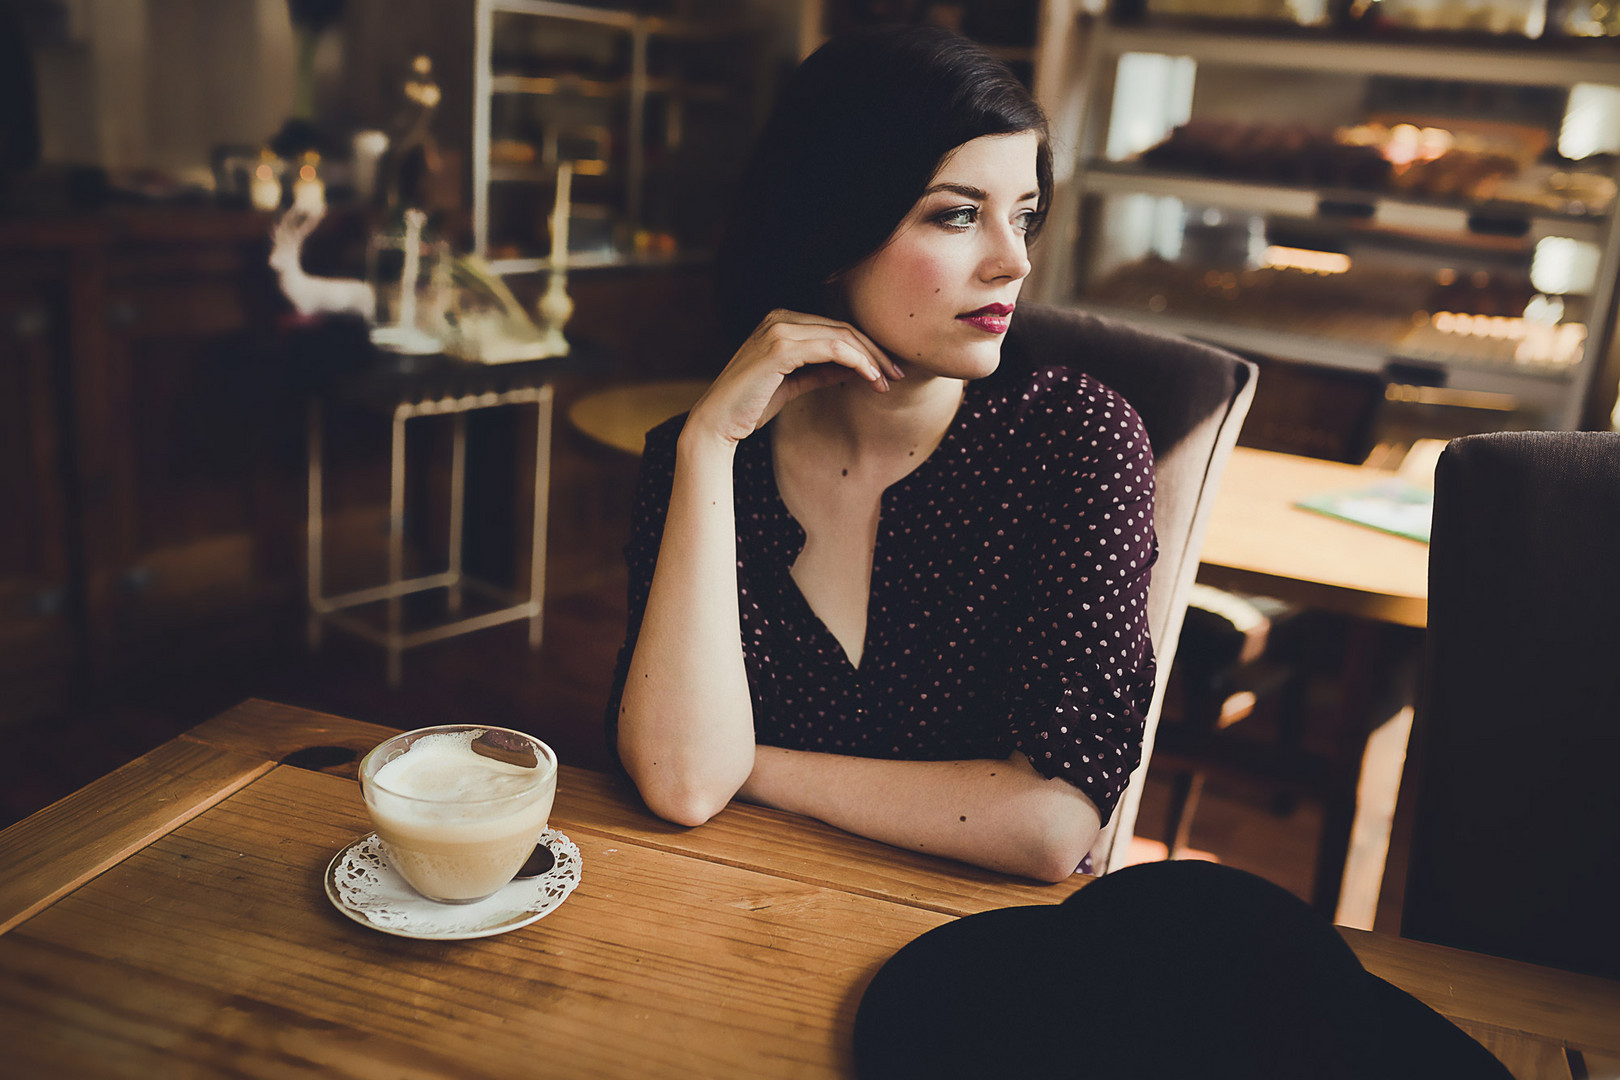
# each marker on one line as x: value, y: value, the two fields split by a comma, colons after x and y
x: 459, y: 809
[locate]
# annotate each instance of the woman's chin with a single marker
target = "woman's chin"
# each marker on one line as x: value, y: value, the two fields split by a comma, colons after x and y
x: 949, y: 360
x: 970, y: 362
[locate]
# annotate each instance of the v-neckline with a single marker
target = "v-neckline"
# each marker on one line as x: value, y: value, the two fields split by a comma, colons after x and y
x: 794, y: 550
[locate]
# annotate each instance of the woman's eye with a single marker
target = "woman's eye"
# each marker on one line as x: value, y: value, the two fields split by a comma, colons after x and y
x: 1030, y: 221
x: 959, y: 217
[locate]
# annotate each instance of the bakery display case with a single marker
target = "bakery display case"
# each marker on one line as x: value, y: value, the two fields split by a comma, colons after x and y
x: 1439, y: 213
x: 651, y: 104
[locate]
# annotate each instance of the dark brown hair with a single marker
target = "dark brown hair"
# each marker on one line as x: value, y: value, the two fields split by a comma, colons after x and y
x: 850, y: 146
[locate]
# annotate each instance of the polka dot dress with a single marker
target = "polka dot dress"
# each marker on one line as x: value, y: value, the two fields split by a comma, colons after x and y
x: 1009, y: 591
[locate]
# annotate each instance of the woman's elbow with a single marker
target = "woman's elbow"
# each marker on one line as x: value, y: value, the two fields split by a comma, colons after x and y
x: 682, y: 805
x: 1054, y: 863
x: 1060, y: 839
x: 684, y: 794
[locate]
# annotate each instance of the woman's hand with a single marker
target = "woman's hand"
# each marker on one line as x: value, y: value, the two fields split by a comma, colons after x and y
x: 788, y: 354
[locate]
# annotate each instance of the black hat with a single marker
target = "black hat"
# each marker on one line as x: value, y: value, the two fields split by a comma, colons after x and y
x: 1163, y: 970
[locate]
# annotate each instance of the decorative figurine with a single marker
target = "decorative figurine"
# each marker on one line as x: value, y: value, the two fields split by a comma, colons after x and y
x: 313, y: 295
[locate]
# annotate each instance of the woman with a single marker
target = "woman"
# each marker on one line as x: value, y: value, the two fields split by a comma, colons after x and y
x: 878, y: 576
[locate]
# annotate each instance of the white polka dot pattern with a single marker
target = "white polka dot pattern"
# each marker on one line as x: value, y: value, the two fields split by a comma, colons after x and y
x: 1009, y: 591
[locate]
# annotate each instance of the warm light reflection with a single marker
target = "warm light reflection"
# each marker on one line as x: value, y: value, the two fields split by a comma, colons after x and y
x: 1312, y: 262
x: 1539, y: 342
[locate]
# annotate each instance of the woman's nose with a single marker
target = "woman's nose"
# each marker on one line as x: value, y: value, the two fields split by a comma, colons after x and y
x: 1008, y: 256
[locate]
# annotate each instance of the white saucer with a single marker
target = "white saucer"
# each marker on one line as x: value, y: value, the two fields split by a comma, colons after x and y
x: 362, y: 885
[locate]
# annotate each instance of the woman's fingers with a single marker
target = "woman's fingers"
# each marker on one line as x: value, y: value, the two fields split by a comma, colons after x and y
x: 814, y: 377
x: 801, y: 325
x: 803, y: 353
x: 891, y: 369
x: 788, y: 354
x: 789, y: 346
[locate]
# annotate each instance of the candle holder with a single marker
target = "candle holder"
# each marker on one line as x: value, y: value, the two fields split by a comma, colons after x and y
x: 264, y: 185
x: 556, y: 307
x: 411, y: 293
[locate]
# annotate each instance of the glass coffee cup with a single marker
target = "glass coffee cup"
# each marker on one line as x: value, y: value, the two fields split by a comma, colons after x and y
x: 459, y: 807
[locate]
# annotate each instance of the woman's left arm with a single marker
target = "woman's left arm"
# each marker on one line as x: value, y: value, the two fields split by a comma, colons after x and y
x: 1002, y: 815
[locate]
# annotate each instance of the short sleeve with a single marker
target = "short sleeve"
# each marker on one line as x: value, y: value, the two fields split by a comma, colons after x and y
x: 1083, y: 667
x: 651, y: 506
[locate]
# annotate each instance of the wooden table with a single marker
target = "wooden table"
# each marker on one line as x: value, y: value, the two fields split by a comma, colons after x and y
x: 170, y: 920
x: 621, y: 416
x: 1259, y: 542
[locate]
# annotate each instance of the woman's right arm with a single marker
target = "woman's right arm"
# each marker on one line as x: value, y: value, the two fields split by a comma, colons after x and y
x: 686, y: 721
x: 686, y: 725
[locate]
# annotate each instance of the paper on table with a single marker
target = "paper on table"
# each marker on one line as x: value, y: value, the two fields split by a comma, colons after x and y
x: 1394, y: 506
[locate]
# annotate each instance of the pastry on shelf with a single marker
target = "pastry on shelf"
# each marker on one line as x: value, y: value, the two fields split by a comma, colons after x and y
x: 1557, y: 188
x: 1477, y: 319
x: 1456, y: 175
x: 1285, y: 153
x: 1465, y: 162
x: 512, y: 152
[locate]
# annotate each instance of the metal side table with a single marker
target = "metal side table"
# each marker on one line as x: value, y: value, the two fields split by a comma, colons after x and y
x: 408, y: 389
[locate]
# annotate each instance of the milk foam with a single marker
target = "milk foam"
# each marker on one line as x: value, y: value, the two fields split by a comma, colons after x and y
x: 445, y: 768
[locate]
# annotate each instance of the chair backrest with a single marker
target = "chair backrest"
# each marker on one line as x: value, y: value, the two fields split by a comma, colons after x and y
x: 1192, y: 399
x: 1516, y: 841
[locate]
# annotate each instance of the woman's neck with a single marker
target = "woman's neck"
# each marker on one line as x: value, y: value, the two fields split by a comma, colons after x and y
x: 861, y: 425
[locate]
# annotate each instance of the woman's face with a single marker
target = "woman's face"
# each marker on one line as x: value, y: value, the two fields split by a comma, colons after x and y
x: 939, y: 295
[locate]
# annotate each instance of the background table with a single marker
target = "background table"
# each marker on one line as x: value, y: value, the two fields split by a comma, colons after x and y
x: 407, y: 388
x: 1259, y: 542
x: 621, y: 416
x: 170, y: 919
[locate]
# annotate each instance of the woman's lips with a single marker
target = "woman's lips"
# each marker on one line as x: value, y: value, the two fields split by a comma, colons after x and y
x: 992, y: 318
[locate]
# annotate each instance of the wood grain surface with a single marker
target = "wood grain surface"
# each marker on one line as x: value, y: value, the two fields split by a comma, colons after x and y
x: 1260, y: 542
x: 171, y: 920
x: 271, y: 731
x: 658, y: 965
x: 1583, y: 1009
x: 51, y: 853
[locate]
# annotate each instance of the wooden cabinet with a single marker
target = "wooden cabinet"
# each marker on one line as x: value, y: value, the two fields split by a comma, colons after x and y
x: 129, y: 439
x: 38, y: 642
x: 175, y: 449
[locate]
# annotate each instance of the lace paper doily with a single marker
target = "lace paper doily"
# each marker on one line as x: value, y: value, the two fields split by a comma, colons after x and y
x: 362, y: 885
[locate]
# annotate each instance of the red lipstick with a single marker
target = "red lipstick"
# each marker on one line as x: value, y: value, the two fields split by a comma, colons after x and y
x: 992, y: 318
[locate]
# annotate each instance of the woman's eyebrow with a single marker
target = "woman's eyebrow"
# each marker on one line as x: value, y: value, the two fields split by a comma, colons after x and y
x: 968, y: 191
